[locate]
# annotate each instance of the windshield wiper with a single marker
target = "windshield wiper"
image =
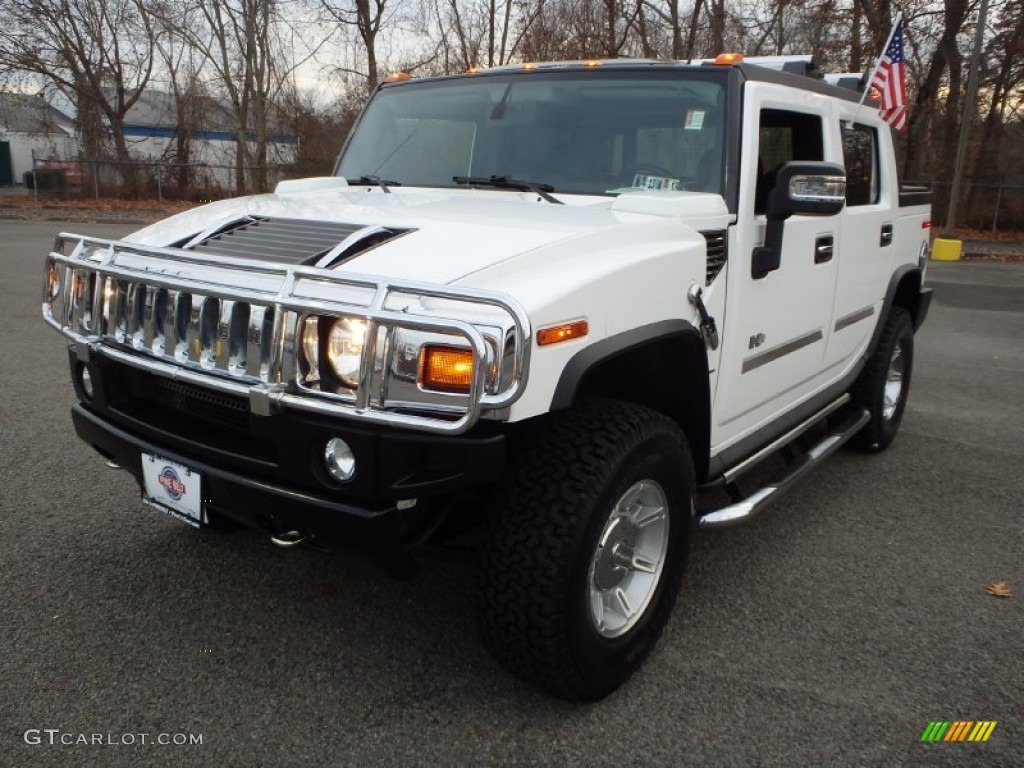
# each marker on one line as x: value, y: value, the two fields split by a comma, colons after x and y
x: 504, y: 182
x: 377, y: 181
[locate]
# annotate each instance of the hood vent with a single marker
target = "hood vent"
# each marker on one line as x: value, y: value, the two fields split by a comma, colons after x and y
x: 285, y: 241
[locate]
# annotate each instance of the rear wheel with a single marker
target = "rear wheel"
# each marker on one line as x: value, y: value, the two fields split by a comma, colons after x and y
x: 884, y: 384
x: 593, y: 529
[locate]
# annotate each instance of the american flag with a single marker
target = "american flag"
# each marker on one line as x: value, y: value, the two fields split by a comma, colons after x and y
x: 891, y: 81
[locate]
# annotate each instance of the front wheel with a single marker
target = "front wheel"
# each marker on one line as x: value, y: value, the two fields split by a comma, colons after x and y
x: 592, y: 531
x: 884, y: 384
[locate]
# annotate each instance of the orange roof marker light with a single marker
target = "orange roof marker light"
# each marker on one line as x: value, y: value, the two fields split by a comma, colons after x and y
x: 728, y: 58
x: 397, y: 77
x: 562, y: 332
x: 529, y: 65
x: 592, y: 63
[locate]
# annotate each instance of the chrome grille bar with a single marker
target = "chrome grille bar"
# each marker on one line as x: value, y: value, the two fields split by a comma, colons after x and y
x: 223, y: 346
x: 169, y: 334
x: 149, y: 318
x: 193, y: 337
x: 133, y: 310
x: 254, y: 341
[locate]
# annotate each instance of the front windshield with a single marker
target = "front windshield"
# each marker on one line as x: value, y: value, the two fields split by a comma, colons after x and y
x: 590, y: 132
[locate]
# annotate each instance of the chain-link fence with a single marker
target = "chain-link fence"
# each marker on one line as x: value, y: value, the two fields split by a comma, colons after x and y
x: 145, y: 179
x: 992, y: 207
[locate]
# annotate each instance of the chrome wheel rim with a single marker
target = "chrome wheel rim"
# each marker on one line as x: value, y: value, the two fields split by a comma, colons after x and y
x: 626, y: 567
x: 893, y: 383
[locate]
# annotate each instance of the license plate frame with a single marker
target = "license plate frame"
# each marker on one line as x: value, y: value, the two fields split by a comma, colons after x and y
x: 173, y: 488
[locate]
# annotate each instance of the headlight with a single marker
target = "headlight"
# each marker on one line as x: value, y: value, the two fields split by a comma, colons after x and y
x: 345, y: 349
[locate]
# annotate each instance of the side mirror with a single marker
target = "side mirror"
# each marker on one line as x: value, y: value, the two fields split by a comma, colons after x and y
x: 802, y: 187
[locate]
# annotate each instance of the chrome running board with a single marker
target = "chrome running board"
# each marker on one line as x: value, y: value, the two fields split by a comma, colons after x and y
x: 745, y: 507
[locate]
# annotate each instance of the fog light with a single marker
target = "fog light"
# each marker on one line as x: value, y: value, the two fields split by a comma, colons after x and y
x: 85, y: 379
x: 340, y: 460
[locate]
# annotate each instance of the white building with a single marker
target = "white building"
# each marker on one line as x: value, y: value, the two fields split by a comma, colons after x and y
x: 31, y: 129
x: 151, y: 130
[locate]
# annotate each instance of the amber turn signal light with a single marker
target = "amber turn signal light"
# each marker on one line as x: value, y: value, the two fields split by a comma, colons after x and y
x: 563, y: 332
x: 446, y: 369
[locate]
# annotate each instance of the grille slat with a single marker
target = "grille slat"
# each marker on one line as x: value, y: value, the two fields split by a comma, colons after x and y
x: 211, y: 333
x: 254, y: 358
x: 170, y: 332
x: 149, y: 318
x: 193, y: 337
x: 223, y: 348
x: 133, y: 312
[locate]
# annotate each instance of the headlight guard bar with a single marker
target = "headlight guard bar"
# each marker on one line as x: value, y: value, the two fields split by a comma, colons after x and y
x: 231, y: 324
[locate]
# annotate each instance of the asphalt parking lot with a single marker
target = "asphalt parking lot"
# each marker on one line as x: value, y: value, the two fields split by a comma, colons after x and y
x: 829, y: 631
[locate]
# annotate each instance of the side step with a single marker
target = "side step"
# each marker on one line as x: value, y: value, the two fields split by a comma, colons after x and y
x: 744, y: 508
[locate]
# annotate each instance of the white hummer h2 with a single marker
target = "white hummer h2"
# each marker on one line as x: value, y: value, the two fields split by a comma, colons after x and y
x: 565, y: 307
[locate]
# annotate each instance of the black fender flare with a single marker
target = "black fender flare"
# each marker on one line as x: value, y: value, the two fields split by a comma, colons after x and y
x: 684, y: 394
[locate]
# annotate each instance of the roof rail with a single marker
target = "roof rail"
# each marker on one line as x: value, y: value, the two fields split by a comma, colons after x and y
x: 797, y: 65
x: 853, y: 81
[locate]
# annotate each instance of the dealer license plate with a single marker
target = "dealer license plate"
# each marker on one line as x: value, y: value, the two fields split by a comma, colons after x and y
x: 173, y: 488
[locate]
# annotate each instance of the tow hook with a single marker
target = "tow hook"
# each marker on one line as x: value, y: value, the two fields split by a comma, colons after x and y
x: 290, y: 539
x: 707, y: 322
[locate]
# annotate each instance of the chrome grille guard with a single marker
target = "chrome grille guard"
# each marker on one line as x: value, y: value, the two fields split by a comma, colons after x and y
x: 230, y: 324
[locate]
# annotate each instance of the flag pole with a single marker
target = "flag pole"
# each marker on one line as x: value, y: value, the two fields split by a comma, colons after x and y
x: 874, y: 70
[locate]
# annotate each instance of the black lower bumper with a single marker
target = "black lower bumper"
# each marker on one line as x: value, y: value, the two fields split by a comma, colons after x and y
x: 375, y: 526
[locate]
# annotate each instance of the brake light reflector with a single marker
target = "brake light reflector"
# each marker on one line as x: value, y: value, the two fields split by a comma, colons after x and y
x: 446, y: 369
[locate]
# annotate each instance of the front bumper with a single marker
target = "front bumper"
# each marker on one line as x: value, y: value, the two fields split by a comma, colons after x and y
x: 252, y: 502
x: 267, y: 472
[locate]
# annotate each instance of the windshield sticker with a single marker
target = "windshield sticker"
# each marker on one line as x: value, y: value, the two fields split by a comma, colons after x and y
x: 694, y: 120
x: 646, y: 181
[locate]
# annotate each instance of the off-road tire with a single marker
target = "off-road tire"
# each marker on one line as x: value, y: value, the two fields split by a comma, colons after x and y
x: 869, y: 390
x: 563, y: 482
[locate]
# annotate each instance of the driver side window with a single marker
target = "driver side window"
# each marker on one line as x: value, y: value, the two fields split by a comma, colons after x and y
x: 784, y: 136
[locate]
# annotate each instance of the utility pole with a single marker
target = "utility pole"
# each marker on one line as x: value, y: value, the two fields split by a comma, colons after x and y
x: 965, y: 125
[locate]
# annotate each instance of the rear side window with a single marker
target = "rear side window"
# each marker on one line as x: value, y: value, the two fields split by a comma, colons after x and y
x: 860, y: 155
x: 784, y: 136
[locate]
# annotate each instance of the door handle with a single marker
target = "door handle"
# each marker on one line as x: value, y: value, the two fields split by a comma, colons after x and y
x: 823, y: 248
x: 886, y: 238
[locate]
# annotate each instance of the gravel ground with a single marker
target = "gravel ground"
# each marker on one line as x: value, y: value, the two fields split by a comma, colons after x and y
x: 829, y: 631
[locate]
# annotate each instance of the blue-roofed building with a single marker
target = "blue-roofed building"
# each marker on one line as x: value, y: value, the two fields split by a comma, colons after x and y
x: 151, y: 129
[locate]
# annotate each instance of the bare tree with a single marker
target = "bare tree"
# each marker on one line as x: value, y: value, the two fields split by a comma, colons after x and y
x: 236, y: 38
x: 366, y: 17
x: 183, y: 67
x: 98, y: 53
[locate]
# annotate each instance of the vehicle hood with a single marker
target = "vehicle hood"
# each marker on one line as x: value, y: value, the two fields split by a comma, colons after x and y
x: 447, y: 234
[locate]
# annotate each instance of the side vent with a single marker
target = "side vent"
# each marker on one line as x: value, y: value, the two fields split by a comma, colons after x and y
x: 716, y: 241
